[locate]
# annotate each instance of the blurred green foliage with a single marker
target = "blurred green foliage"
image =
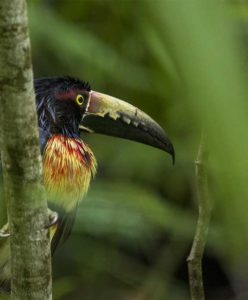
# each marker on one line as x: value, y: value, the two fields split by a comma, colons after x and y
x: 185, y: 64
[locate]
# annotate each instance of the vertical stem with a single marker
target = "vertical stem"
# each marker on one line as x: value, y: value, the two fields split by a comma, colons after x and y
x: 195, y: 257
x: 21, y: 160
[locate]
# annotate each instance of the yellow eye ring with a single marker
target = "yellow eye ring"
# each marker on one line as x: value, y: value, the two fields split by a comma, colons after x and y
x: 80, y: 100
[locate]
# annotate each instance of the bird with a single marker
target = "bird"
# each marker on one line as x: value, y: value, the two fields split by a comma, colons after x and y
x: 67, y: 110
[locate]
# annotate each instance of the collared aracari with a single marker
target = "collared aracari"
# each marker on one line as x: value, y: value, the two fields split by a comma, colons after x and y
x: 67, y: 107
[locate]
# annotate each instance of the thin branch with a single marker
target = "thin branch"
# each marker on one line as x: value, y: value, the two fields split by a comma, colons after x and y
x: 195, y: 257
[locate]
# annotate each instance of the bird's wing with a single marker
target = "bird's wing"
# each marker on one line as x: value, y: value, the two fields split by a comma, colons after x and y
x: 44, y: 136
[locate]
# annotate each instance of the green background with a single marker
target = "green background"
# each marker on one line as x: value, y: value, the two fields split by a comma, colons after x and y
x: 185, y: 64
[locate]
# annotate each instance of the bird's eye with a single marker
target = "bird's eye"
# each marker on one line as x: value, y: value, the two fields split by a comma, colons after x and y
x: 80, y: 100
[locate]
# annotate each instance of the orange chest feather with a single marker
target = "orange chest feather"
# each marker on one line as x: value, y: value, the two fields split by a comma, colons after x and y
x: 68, y: 166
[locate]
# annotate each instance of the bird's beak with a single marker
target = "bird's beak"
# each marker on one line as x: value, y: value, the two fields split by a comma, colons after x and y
x: 108, y: 115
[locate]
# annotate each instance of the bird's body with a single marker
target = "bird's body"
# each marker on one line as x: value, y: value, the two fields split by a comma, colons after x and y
x: 68, y: 162
x: 68, y: 166
x: 65, y: 107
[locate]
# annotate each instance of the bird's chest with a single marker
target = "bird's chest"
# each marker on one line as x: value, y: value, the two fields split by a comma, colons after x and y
x: 68, y: 166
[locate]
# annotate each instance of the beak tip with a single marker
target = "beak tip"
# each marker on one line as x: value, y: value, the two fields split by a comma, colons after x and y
x: 169, y: 148
x: 173, y: 158
x: 171, y: 151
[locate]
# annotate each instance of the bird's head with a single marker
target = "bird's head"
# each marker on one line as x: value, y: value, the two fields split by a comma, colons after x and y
x: 68, y: 106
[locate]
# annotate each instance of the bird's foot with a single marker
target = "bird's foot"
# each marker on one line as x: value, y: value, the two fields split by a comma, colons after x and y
x: 53, y: 217
x: 4, y: 231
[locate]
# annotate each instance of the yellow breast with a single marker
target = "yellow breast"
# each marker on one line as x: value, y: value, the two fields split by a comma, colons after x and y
x: 68, y: 166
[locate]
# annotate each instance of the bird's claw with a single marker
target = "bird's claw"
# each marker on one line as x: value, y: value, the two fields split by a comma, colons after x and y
x: 53, y: 217
x: 4, y: 231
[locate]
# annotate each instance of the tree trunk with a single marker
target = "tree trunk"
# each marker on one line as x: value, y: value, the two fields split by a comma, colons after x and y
x: 21, y: 160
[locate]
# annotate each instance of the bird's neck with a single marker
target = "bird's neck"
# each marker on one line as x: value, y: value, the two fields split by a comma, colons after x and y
x: 68, y: 166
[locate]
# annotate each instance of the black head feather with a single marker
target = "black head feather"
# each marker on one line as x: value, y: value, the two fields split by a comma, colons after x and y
x: 58, y: 116
x: 59, y: 84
